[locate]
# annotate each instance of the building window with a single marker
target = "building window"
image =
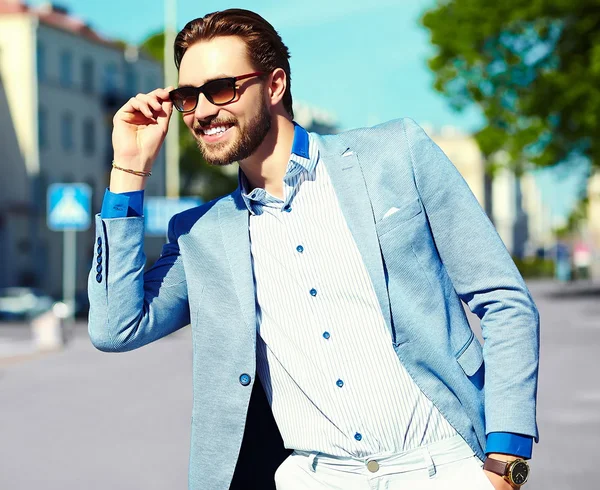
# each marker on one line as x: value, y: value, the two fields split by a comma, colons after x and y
x: 66, y: 69
x: 89, y: 137
x: 87, y: 75
x: 66, y: 131
x: 42, y: 128
x: 131, y: 81
x: 41, y: 62
x: 110, y: 79
x: 151, y: 83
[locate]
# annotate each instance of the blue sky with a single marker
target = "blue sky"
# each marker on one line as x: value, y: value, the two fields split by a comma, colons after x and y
x: 364, y: 62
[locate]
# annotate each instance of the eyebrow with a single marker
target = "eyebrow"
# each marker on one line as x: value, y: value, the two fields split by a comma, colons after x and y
x: 218, y: 77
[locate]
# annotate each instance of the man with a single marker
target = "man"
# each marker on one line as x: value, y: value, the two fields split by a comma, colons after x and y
x: 334, y: 273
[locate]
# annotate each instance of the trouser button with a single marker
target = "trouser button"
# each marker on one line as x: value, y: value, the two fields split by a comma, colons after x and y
x: 373, y: 466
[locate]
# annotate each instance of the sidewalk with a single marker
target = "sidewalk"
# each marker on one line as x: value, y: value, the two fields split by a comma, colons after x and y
x: 574, y: 289
x: 19, y: 341
x: 16, y: 350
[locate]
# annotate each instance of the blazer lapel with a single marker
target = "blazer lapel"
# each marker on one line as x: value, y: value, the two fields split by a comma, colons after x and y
x: 233, y: 219
x: 351, y: 190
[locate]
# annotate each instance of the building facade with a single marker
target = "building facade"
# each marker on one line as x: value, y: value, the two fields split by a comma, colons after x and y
x: 593, y: 222
x: 60, y: 85
x: 514, y: 204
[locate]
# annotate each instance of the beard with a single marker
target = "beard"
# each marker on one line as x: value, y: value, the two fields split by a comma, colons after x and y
x: 249, y: 139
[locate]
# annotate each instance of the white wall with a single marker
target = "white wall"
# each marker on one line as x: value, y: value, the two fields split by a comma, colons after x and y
x: 18, y: 146
x: 82, y: 103
x: 23, y: 96
x: 593, y: 219
x: 17, y: 41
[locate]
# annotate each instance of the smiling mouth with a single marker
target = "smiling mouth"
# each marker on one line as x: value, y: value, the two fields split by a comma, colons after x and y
x: 215, y: 129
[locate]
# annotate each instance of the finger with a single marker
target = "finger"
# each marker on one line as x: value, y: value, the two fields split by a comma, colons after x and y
x: 167, y: 108
x: 140, y: 106
x: 162, y: 93
x: 129, y: 117
x: 151, y: 100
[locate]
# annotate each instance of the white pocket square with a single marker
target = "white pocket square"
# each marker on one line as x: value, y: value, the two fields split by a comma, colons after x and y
x: 390, y: 212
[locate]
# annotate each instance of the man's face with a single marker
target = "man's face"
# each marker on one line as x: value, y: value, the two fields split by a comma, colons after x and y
x: 247, y: 118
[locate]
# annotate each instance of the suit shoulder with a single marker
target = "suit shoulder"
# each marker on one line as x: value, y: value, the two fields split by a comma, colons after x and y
x: 184, y: 221
x: 392, y: 132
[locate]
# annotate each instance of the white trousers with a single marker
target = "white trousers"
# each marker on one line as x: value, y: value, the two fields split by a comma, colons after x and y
x: 446, y: 465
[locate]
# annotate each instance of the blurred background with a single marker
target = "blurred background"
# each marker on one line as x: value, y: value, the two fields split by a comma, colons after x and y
x: 509, y: 90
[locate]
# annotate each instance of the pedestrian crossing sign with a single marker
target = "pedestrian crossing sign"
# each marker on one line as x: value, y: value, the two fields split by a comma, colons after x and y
x: 69, y: 207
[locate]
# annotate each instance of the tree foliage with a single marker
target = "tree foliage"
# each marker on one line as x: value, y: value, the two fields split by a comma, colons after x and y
x: 197, y: 176
x: 532, y: 66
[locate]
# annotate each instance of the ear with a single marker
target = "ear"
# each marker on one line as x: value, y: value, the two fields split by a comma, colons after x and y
x: 277, y: 86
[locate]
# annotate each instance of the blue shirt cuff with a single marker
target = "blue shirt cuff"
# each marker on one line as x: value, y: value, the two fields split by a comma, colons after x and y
x: 124, y: 205
x: 508, y: 443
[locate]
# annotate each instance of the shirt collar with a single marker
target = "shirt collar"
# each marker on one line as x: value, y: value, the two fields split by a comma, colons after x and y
x: 300, y: 160
x: 301, y: 144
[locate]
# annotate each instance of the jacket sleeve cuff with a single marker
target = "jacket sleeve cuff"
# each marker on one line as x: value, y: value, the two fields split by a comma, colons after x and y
x: 508, y: 443
x: 124, y: 205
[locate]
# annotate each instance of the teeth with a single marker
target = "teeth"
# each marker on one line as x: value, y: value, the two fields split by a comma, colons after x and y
x: 215, y: 130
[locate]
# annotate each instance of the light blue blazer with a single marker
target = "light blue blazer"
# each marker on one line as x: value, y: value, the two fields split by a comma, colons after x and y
x: 439, y: 248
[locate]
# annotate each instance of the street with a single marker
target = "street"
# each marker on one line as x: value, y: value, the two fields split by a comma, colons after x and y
x: 82, y: 419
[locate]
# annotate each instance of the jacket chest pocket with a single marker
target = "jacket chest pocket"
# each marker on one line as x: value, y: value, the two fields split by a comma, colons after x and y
x: 396, y: 216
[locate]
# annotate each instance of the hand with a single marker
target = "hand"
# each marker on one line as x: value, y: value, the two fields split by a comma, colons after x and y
x: 139, y: 129
x: 498, y: 482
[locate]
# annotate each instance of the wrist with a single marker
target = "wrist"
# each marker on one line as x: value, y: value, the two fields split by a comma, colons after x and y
x: 125, y: 182
x: 503, y: 457
x: 513, y: 469
x: 133, y: 163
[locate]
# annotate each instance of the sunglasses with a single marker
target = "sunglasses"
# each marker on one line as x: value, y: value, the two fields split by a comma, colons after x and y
x: 221, y: 91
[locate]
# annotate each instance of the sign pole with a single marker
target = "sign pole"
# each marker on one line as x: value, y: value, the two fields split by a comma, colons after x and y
x: 69, y: 271
x: 170, y: 72
x: 69, y: 211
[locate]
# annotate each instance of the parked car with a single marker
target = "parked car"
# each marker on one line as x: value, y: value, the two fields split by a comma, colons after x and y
x: 20, y: 303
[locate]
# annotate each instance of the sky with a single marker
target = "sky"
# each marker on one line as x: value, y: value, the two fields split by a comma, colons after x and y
x: 364, y: 62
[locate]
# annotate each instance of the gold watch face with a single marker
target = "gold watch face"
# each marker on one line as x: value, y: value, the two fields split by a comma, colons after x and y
x: 519, y: 472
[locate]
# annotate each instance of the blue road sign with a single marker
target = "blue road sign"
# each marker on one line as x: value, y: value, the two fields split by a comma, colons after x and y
x: 159, y: 210
x: 69, y: 207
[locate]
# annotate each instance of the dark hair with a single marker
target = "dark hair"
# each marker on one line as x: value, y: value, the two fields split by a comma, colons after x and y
x: 264, y: 45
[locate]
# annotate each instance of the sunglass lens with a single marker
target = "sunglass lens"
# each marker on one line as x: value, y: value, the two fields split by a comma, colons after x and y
x: 220, y: 91
x: 184, y: 99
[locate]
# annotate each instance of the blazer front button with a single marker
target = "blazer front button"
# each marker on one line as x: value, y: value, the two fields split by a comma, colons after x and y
x: 245, y: 379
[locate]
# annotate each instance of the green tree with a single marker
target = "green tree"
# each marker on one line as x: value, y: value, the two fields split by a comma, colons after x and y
x: 532, y: 67
x: 197, y: 177
x: 576, y: 219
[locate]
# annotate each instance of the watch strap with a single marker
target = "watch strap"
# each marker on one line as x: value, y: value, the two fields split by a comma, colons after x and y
x: 495, y: 466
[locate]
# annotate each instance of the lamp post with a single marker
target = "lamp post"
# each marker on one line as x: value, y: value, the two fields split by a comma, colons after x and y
x: 170, y: 73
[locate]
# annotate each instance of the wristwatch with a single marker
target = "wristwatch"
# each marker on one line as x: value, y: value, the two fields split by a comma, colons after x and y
x: 514, y: 472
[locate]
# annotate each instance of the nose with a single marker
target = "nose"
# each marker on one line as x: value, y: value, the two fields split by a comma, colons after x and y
x: 204, y: 109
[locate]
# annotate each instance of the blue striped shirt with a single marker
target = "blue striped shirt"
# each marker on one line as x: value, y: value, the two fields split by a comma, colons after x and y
x: 325, y: 356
